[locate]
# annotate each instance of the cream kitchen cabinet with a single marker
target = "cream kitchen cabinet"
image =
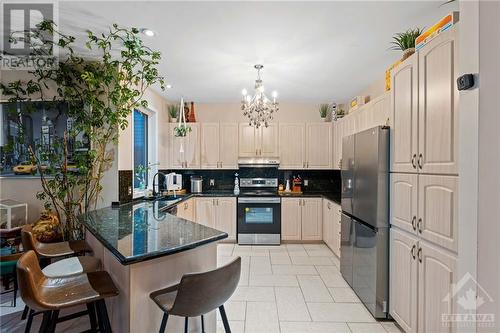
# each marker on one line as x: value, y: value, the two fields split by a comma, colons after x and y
x: 403, y: 280
x: 219, y: 146
x: 312, y: 219
x: 318, y: 146
x: 185, y: 151
x: 258, y: 142
x: 426, y: 205
x: 425, y: 109
x: 291, y: 219
x: 218, y: 213
x: 404, y: 96
x: 421, y: 278
x: 331, y: 226
x: 292, y: 137
x: 301, y: 219
x: 338, y: 132
x: 186, y: 209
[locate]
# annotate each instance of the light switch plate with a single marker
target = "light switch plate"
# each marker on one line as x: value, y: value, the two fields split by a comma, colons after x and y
x: 306, y: 182
x: 212, y: 182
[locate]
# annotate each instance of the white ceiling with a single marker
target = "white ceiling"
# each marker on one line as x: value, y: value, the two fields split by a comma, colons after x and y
x: 312, y: 51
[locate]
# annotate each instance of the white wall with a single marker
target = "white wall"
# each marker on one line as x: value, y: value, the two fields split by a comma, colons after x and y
x: 488, y: 228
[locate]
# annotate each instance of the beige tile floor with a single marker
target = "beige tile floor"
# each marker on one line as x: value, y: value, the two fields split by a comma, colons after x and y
x: 294, y: 288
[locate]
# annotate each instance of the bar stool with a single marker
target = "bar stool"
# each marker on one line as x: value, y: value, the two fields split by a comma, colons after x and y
x: 50, y: 295
x: 61, y: 268
x: 199, y: 293
x: 8, y: 268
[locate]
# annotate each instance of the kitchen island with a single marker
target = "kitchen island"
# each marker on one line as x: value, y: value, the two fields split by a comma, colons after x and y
x: 144, y: 248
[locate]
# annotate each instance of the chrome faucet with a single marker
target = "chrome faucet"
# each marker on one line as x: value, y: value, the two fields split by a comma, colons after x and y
x: 154, y: 177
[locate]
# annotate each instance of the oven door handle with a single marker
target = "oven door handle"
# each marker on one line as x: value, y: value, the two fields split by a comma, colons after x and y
x: 260, y: 200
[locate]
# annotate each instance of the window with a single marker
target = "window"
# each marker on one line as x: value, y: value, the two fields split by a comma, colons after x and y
x: 140, y: 149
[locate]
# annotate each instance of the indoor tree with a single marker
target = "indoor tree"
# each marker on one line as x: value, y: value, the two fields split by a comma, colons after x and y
x: 100, y: 92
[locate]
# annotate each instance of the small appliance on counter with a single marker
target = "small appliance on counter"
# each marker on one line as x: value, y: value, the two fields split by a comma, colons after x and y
x: 196, y: 184
x: 174, y: 181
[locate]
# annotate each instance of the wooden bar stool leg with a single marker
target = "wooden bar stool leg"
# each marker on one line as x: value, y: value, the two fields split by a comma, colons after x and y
x: 44, y: 327
x: 202, y: 324
x: 163, y: 325
x: 224, y: 319
x: 92, y: 317
x: 186, y: 325
x: 104, y: 324
x: 29, y: 322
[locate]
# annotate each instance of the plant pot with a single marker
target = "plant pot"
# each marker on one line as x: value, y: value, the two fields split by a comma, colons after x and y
x: 407, y: 53
x: 173, y: 120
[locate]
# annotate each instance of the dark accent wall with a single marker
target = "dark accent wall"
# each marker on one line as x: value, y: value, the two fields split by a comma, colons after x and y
x: 125, y: 186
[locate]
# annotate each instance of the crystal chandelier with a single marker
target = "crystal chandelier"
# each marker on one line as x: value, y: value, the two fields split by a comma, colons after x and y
x: 259, y: 109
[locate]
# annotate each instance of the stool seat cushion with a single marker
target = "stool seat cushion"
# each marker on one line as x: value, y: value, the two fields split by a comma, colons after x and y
x: 64, y: 292
x: 53, y: 250
x: 72, y: 266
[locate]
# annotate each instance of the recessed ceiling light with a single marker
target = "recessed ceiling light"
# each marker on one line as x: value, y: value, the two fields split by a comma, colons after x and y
x: 168, y: 86
x: 148, y: 32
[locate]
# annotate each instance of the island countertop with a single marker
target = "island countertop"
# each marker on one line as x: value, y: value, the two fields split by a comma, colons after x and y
x: 143, y: 230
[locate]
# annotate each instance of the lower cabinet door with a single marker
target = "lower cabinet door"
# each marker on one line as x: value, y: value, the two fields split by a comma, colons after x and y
x: 403, y: 279
x: 291, y: 219
x: 226, y: 216
x: 336, y: 230
x: 205, y: 211
x: 436, y: 276
x: 312, y: 222
x: 328, y: 222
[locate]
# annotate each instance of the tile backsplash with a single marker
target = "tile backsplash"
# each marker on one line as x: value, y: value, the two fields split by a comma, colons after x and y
x: 318, y: 180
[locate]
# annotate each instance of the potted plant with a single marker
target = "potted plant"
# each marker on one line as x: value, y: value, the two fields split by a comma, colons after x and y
x: 173, y: 112
x: 182, y: 130
x: 100, y: 95
x: 323, y: 111
x: 405, y: 41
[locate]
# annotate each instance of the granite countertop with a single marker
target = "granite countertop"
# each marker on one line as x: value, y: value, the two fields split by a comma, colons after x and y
x: 143, y: 230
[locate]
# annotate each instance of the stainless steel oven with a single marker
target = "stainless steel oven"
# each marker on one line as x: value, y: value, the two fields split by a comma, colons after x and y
x: 259, y: 212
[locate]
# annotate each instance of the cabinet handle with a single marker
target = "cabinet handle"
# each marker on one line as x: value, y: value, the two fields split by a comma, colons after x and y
x: 420, y: 160
x: 256, y: 152
x: 419, y: 254
x: 307, y: 164
x: 413, y: 161
x: 329, y: 206
x: 221, y: 164
x: 260, y: 152
x: 419, y: 225
x: 303, y: 164
x: 414, y: 222
x: 413, y: 251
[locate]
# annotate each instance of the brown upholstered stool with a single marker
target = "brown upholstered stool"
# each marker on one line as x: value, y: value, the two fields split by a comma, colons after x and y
x: 199, y: 293
x: 50, y: 295
x: 64, y: 267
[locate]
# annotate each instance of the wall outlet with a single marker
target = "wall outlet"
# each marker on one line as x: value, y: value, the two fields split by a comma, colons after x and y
x: 129, y: 190
x: 306, y: 182
x: 211, y: 182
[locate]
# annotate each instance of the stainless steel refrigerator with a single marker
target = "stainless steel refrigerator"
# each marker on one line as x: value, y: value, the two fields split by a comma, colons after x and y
x: 364, y: 247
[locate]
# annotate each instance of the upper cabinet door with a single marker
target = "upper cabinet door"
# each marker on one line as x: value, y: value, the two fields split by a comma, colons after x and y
x: 292, y: 145
x: 438, y: 105
x: 403, y: 280
x: 248, y: 141
x: 318, y: 146
x: 337, y: 141
x: 381, y: 111
x: 404, y: 201
x: 404, y: 95
x: 228, y: 147
x: 438, y: 210
x: 210, y: 145
x: 436, y: 276
x: 269, y: 140
x: 185, y: 151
